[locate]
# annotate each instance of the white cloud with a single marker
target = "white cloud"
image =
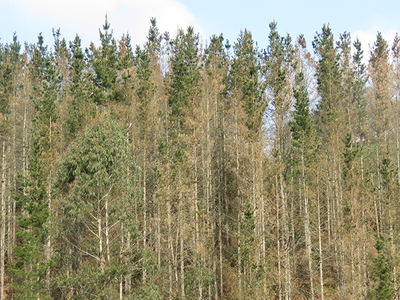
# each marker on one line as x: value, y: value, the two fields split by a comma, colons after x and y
x: 368, y: 38
x: 85, y: 17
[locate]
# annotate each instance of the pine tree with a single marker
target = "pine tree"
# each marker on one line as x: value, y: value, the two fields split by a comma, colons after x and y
x: 9, y: 61
x: 381, y: 126
x: 304, y: 149
x: 184, y: 91
x: 331, y: 123
x: 328, y: 77
x: 31, y: 266
x: 105, y: 64
x: 78, y: 108
x: 358, y: 91
x: 146, y: 122
x: 279, y: 62
x: 381, y: 274
x: 214, y: 169
x: 245, y: 79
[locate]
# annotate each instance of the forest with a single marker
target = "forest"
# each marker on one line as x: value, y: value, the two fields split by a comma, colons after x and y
x: 179, y: 169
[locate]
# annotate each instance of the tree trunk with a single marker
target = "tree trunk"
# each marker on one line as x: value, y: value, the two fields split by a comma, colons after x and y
x: 100, y: 235
x: 144, y: 210
x: 321, y: 274
x: 181, y: 247
x: 24, y: 146
x: 107, y: 228
x: 170, y: 247
x: 307, y: 226
x: 278, y: 239
x: 288, y: 287
x: 3, y: 220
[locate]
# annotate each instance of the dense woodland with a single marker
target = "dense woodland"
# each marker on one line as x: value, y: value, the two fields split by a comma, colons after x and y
x: 182, y: 170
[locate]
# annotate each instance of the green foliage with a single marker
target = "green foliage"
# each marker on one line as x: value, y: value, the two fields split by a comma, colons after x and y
x: 6, y: 87
x: 301, y: 126
x: 145, y: 88
x: 78, y: 108
x: 185, y: 76
x: 380, y: 51
x: 148, y: 291
x: 30, y: 266
x: 9, y: 61
x: 328, y: 75
x: 382, y: 285
x: 350, y: 152
x: 105, y: 63
x: 304, y: 140
x: 97, y: 170
x: 244, y: 80
x: 358, y: 89
x: 247, y: 226
x: 248, y: 246
x: 153, y: 44
x: 232, y: 168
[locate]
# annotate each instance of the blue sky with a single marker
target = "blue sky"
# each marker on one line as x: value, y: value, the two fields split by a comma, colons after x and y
x: 361, y: 18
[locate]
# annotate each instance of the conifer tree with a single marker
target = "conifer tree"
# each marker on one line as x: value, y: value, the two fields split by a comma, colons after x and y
x: 328, y: 76
x: 79, y: 105
x: 330, y: 122
x: 9, y: 60
x: 105, y: 64
x: 381, y: 274
x: 278, y: 70
x: 246, y: 105
x: 304, y: 146
x: 183, y: 91
x: 380, y: 129
x: 31, y: 266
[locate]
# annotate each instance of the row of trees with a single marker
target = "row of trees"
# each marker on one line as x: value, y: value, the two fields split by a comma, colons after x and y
x: 180, y: 170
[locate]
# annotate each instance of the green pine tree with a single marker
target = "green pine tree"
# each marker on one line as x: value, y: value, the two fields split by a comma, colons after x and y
x: 244, y: 79
x: 105, y: 63
x: 31, y: 266
x: 381, y: 287
x: 328, y: 78
x: 78, y: 107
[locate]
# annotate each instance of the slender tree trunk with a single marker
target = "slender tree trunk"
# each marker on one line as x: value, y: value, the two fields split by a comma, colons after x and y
x: 239, y: 257
x: 321, y: 273
x: 328, y: 210
x: 121, y: 278
x: 196, y: 218
x: 221, y: 285
x: 49, y: 222
x: 24, y: 146
x: 9, y: 206
x: 14, y: 183
x: 100, y: 235
x: 278, y: 239
x: 307, y: 227
x: 288, y: 287
x: 3, y: 220
x: 144, y: 210
x: 170, y: 247
x: 239, y: 217
x: 181, y: 247
x: 107, y: 228
x: 263, y: 244
x: 128, y: 277
x: 158, y: 231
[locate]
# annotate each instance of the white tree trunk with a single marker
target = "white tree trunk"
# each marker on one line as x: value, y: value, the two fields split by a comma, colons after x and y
x: 3, y: 220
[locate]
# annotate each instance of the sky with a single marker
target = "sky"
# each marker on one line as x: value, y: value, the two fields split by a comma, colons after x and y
x: 362, y: 18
